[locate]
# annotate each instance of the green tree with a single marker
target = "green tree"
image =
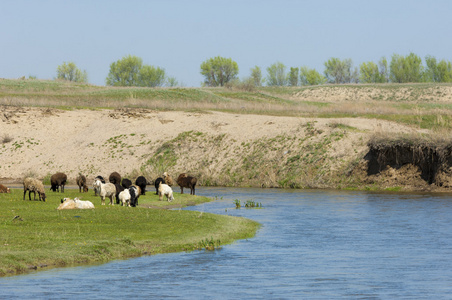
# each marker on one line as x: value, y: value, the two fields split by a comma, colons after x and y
x: 405, y: 69
x: 437, y: 71
x: 340, y: 71
x: 384, y: 70
x: 276, y: 75
x: 218, y: 71
x: 125, y: 72
x: 310, y: 76
x: 293, y: 76
x: 369, y: 73
x: 151, y: 76
x: 172, y: 81
x: 69, y: 71
x: 444, y: 71
x: 256, y: 76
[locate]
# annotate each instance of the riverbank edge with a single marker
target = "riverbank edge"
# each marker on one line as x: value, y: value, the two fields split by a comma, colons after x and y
x: 134, y: 249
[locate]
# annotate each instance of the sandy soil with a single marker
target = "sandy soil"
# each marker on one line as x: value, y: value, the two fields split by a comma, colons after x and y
x: 42, y: 141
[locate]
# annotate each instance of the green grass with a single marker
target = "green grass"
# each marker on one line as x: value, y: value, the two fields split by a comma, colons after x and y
x: 35, y: 234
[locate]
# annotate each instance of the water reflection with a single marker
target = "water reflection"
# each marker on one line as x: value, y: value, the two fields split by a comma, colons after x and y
x: 313, y: 244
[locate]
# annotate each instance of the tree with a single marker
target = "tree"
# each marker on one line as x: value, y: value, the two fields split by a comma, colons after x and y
x: 406, y: 69
x: 256, y: 75
x: 276, y: 75
x: 172, y: 81
x: 293, y: 76
x: 384, y: 71
x: 310, y: 76
x: 218, y: 71
x: 151, y: 76
x: 369, y: 73
x: 125, y: 72
x: 437, y: 71
x: 340, y: 71
x: 444, y: 71
x: 69, y: 71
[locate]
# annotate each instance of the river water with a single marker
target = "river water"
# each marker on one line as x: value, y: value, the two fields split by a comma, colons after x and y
x: 312, y: 245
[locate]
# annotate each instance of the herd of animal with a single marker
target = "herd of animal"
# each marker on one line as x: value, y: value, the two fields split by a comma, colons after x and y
x: 119, y: 190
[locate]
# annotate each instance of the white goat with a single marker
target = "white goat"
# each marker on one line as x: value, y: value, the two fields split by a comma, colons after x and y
x: 166, y: 190
x: 105, y: 190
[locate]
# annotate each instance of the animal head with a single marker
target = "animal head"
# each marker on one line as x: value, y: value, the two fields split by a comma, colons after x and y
x: 97, y: 182
x: 85, y: 188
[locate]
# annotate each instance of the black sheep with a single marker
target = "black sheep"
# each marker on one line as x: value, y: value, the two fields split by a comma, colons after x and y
x: 156, y: 184
x: 141, y: 181
x: 57, y: 180
x: 126, y: 183
x: 115, y: 178
x: 119, y: 189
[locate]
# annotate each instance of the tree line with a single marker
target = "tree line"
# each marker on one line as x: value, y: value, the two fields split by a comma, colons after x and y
x: 221, y: 71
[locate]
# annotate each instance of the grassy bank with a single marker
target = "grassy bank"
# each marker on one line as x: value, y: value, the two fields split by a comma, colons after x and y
x: 426, y: 105
x: 35, y: 235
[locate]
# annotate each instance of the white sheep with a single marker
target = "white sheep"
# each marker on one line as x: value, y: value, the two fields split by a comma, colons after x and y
x: 105, y: 190
x: 33, y: 185
x: 124, y: 197
x: 166, y: 190
x: 68, y: 203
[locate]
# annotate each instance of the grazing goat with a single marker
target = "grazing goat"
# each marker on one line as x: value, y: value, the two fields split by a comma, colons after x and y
x: 57, y: 180
x: 105, y: 190
x: 186, y: 181
x: 115, y: 178
x: 68, y: 203
x: 124, y: 197
x: 141, y: 181
x: 135, y: 192
x: 4, y: 189
x: 102, y: 180
x: 81, y: 182
x: 157, y: 183
x: 168, y: 180
x: 33, y: 185
x: 166, y: 190
x: 126, y: 183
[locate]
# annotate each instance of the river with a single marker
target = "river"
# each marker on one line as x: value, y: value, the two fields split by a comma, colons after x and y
x: 313, y: 244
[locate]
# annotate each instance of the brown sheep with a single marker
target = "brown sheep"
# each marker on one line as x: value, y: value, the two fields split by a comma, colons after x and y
x: 115, y: 178
x: 81, y: 182
x: 4, y: 189
x: 57, y: 180
x: 186, y: 181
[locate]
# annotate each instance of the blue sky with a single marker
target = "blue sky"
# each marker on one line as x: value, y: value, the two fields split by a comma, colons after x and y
x: 178, y: 36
